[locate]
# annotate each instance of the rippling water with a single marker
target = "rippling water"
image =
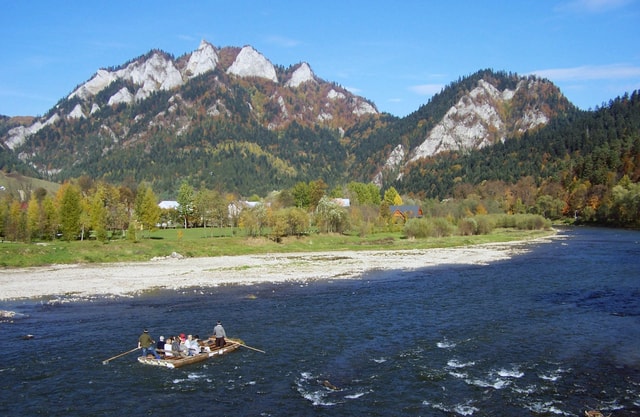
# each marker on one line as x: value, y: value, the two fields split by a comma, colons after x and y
x: 554, y: 331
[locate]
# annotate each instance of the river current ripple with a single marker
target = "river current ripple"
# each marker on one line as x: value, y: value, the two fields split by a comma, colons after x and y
x: 553, y: 331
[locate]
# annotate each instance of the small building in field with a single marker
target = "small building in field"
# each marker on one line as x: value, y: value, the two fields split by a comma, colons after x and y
x: 168, y: 204
x: 236, y: 207
x: 342, y: 202
x: 404, y: 213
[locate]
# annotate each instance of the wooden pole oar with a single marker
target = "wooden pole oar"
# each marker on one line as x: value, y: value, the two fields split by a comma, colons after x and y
x: 106, y: 361
x: 248, y: 347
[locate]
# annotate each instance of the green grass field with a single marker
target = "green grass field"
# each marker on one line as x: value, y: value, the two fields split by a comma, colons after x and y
x: 213, y: 242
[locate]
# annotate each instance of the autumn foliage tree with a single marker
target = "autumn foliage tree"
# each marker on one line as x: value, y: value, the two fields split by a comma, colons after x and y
x: 148, y: 212
x: 69, y: 210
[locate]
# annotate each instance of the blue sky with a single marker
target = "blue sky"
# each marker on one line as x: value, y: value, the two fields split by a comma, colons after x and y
x: 395, y: 53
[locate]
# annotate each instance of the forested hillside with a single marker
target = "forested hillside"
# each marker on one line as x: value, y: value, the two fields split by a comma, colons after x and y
x: 506, y: 144
x: 226, y: 118
x: 588, y: 160
x: 482, y: 119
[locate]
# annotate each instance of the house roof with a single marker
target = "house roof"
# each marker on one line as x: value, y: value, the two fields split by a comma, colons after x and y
x: 168, y: 204
x: 409, y: 211
x: 342, y: 202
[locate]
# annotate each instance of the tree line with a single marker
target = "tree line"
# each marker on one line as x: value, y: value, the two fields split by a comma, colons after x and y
x: 79, y: 210
x: 85, y: 209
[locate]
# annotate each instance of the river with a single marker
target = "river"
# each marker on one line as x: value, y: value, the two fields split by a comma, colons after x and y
x: 553, y: 331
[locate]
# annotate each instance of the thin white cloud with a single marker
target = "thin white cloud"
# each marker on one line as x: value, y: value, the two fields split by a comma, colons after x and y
x: 187, y: 38
x: 592, y: 6
x: 426, y: 89
x: 109, y: 45
x: 282, y: 41
x: 589, y: 72
x: 13, y: 94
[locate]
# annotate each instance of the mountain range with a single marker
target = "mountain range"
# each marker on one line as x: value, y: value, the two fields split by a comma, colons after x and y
x: 228, y: 118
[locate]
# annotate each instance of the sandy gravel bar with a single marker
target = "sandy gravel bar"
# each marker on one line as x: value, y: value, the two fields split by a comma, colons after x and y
x: 119, y: 279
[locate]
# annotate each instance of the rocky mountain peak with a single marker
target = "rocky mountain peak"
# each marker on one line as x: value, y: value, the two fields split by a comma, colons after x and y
x: 473, y: 122
x: 154, y: 74
x: 301, y: 75
x: 270, y: 103
x: 203, y: 59
x: 491, y: 111
x: 251, y: 63
x: 484, y: 116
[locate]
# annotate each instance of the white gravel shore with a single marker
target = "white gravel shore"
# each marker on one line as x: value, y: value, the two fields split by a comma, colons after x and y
x: 87, y: 280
